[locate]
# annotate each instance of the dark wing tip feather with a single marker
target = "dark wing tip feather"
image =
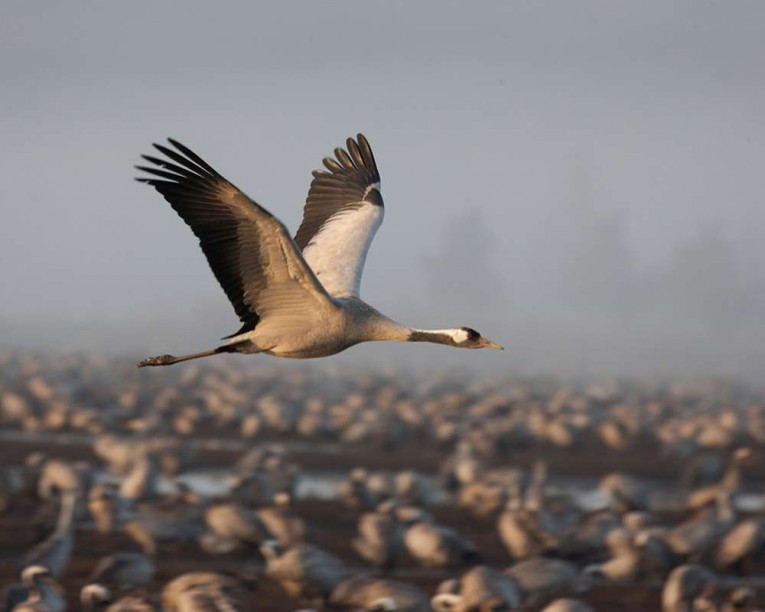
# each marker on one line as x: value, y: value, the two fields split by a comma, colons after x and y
x: 172, y: 176
x: 347, y: 181
x: 331, y: 165
x: 194, y: 157
x: 366, y: 152
x: 343, y: 157
x: 192, y: 187
x: 355, y: 152
x: 357, y: 157
x: 186, y: 162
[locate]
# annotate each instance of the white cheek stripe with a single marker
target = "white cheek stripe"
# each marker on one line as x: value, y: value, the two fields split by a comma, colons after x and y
x: 458, y: 335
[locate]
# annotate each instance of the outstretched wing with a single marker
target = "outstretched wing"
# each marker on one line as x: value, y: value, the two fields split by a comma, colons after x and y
x: 343, y: 210
x: 249, y: 250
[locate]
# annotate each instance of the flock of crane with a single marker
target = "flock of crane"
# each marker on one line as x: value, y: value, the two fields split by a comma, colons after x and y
x: 447, y: 493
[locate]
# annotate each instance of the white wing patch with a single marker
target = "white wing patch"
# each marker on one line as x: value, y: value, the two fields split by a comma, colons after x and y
x: 339, y: 249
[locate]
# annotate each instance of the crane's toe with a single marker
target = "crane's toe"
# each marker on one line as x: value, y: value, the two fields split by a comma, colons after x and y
x: 159, y: 360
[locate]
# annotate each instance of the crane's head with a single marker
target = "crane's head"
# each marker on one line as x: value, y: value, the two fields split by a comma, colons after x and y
x: 467, y: 337
x: 32, y: 573
x: 460, y: 337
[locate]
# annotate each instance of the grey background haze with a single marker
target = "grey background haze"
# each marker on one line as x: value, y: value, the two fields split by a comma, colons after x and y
x: 580, y: 181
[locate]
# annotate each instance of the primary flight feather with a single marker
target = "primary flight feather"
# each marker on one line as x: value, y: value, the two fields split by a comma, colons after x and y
x: 295, y: 298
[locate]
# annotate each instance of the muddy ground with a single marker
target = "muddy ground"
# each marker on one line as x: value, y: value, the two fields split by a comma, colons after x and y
x: 26, y: 521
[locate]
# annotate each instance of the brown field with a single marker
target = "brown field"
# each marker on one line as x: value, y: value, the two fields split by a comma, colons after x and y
x: 217, y: 443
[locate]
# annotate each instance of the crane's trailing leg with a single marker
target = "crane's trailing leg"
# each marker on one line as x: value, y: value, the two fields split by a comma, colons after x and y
x: 163, y: 360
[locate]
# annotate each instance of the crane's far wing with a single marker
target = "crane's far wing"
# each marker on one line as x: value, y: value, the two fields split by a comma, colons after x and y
x: 249, y: 250
x: 343, y: 210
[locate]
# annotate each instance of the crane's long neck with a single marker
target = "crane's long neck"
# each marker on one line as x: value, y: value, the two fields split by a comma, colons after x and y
x: 435, y: 336
x: 387, y: 329
x: 66, y: 512
x: 732, y: 477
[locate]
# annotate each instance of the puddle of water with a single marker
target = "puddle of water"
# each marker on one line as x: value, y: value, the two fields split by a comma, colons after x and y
x: 319, y: 486
x: 749, y: 502
x: 214, y: 483
x: 591, y: 500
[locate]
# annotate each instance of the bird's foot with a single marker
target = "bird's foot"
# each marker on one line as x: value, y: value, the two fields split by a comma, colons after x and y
x: 159, y: 360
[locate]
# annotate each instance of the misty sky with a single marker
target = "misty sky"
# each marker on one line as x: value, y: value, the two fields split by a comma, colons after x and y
x: 581, y: 181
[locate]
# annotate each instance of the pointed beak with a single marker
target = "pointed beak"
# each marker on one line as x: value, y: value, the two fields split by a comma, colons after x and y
x: 486, y: 343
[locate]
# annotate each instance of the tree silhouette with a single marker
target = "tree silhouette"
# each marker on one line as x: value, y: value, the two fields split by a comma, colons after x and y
x: 598, y: 272
x: 465, y: 268
x: 703, y: 281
